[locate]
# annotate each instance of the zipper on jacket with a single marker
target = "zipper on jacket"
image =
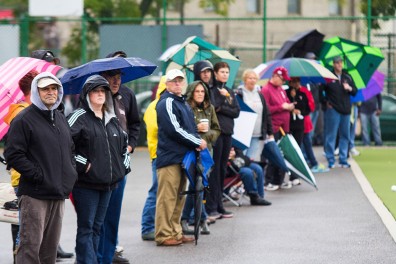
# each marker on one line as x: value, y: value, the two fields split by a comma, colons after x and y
x: 108, y: 147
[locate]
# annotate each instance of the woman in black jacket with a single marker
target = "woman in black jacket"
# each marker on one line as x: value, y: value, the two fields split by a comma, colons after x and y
x: 227, y: 108
x: 101, y: 160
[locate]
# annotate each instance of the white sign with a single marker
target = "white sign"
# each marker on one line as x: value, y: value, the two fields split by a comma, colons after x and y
x: 56, y: 7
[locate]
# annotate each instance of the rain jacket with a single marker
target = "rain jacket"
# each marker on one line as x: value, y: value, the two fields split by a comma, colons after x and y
x: 308, y: 126
x: 13, y: 111
x: 275, y: 97
x: 302, y: 104
x: 99, y: 142
x: 150, y: 119
x: 266, y: 123
x: 334, y: 95
x: 40, y: 147
x: 177, y: 132
x: 204, y: 111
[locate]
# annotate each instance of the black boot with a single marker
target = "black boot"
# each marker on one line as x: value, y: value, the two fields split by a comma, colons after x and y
x: 62, y: 254
x: 255, y: 199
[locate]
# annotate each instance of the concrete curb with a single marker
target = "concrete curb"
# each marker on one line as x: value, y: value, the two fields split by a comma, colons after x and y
x: 386, y: 217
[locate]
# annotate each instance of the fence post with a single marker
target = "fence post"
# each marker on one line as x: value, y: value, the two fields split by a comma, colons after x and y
x: 264, y: 31
x: 368, y: 22
x: 24, y: 38
x: 164, y: 37
x: 83, y: 39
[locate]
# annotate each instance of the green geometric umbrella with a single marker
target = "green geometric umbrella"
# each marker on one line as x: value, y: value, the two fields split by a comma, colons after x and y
x: 360, y: 60
x: 195, y: 49
x: 294, y: 158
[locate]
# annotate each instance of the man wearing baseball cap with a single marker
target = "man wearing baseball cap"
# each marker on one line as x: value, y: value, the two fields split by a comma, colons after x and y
x: 177, y: 134
x: 280, y: 108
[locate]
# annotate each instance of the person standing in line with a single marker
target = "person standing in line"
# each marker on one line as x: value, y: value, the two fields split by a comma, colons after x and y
x: 249, y: 92
x: 197, y: 97
x: 336, y: 96
x: 125, y: 107
x: 40, y: 147
x: 280, y: 108
x: 177, y: 134
x: 370, y: 111
x: 102, y: 161
x: 227, y: 109
x: 150, y: 119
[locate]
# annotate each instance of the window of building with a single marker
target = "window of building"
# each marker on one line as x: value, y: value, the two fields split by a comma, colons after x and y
x: 253, y: 6
x: 293, y: 6
x: 334, y: 7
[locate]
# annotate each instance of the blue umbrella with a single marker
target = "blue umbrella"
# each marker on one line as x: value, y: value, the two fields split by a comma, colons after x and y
x: 131, y: 69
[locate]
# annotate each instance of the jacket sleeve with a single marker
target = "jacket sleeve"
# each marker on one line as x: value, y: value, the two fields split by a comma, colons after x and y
x: 16, y: 152
x: 169, y: 117
x: 133, y: 119
x: 214, y: 131
x: 305, y: 110
x: 228, y: 107
x: 80, y: 140
x: 273, y: 107
x: 267, y: 119
x: 351, y: 83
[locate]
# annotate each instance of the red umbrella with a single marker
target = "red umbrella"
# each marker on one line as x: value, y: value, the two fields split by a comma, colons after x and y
x: 10, y: 74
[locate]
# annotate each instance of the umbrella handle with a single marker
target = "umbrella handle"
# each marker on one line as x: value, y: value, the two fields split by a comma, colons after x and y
x: 282, y: 131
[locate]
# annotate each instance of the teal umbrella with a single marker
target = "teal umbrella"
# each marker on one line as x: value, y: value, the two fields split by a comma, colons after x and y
x: 295, y: 159
x: 194, y: 49
x: 361, y: 61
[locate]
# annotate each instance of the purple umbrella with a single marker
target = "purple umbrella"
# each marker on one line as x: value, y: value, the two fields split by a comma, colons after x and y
x: 374, y: 87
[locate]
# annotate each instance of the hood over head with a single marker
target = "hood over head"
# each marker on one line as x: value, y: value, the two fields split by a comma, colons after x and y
x: 161, y: 87
x: 47, y: 78
x: 199, y: 66
x: 190, y: 93
x: 91, y: 83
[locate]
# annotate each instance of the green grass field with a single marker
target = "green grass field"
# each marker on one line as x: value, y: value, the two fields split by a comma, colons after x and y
x: 379, y: 166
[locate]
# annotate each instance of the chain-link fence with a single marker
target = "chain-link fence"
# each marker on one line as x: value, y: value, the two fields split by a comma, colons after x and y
x: 253, y: 39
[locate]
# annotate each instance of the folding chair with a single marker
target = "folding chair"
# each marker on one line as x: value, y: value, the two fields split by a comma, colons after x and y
x: 228, y: 183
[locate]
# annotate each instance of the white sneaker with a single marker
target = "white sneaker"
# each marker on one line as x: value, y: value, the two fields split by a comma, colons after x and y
x: 271, y: 187
x: 286, y: 185
x: 336, y: 152
x: 354, y: 152
x: 119, y: 249
x: 296, y: 182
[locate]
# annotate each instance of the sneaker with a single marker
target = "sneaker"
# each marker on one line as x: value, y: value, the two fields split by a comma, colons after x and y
x: 344, y: 165
x: 319, y: 169
x: 331, y: 165
x: 286, y: 185
x: 227, y: 214
x: 118, y: 258
x: 147, y: 237
x: 354, y: 152
x: 336, y: 152
x: 271, y: 187
x: 213, y: 216
x: 296, y: 182
x: 120, y: 249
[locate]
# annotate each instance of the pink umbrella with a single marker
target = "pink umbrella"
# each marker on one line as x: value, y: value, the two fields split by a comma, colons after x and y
x: 10, y: 74
x: 374, y: 87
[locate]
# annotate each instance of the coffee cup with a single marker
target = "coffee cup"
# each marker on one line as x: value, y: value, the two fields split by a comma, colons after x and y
x: 205, y: 122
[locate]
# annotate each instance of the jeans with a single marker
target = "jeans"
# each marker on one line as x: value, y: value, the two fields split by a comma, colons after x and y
x: 314, y: 118
x: 188, y: 212
x: 371, y: 120
x: 255, y: 149
x: 109, y: 232
x: 253, y: 179
x: 148, y: 215
x: 308, y: 151
x: 353, y: 127
x: 91, y: 206
x: 336, y: 122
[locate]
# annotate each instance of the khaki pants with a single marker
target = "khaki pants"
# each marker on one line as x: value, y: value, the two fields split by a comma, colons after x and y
x: 171, y: 181
x: 40, y: 229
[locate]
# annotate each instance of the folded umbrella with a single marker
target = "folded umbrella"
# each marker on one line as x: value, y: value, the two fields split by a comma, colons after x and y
x: 131, y: 69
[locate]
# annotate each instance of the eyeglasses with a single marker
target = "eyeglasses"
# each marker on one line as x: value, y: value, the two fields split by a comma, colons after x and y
x: 49, y: 88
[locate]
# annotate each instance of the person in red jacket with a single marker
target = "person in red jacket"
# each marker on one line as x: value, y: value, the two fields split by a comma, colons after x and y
x: 280, y: 108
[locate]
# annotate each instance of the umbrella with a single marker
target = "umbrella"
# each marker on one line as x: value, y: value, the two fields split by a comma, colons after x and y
x: 243, y: 126
x: 374, y: 87
x: 360, y: 60
x: 194, y: 49
x: 131, y: 69
x: 310, y: 70
x: 272, y: 152
x: 197, y: 166
x: 168, y: 52
x: 10, y: 73
x: 300, y: 44
x: 294, y: 158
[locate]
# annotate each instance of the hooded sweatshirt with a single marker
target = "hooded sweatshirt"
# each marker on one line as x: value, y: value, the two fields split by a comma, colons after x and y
x: 101, y: 144
x: 204, y: 111
x: 39, y: 146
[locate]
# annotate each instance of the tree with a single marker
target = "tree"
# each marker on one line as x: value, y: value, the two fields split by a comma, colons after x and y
x: 379, y: 8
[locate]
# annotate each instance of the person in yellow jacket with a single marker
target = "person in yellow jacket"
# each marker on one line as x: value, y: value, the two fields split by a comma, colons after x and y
x: 150, y: 119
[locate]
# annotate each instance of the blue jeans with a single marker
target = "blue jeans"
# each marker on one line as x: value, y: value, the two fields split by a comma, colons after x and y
x: 371, y: 121
x: 109, y: 233
x: 314, y: 118
x: 148, y: 215
x: 91, y: 206
x: 336, y: 123
x: 255, y: 149
x: 188, y: 212
x: 353, y: 127
x: 307, y: 150
x: 253, y: 179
